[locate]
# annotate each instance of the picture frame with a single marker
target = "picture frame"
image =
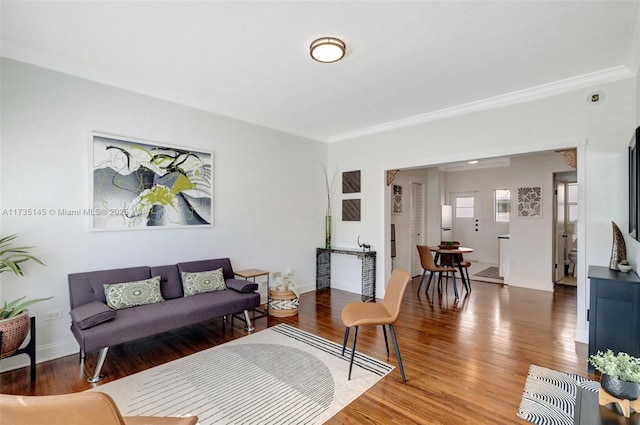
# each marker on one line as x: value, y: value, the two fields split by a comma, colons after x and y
x: 351, y: 181
x: 351, y: 210
x: 396, y: 200
x: 530, y: 202
x: 147, y: 185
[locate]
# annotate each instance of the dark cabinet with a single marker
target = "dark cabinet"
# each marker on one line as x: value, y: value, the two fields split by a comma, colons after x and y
x: 614, y: 311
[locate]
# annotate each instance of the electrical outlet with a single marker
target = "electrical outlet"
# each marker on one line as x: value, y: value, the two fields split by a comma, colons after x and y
x: 53, y: 315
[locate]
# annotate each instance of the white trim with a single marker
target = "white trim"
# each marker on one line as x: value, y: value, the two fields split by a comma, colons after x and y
x: 44, y: 353
x: 582, y: 304
x: 634, y: 42
x: 525, y: 95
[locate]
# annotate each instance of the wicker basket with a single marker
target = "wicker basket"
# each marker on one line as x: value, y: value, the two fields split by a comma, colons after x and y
x: 14, y: 332
x: 283, y: 303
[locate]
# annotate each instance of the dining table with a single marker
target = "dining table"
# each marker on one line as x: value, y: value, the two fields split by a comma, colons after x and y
x: 456, y: 253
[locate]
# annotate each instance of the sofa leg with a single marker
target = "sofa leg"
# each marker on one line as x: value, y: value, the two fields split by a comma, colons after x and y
x: 96, y: 374
x: 247, y: 319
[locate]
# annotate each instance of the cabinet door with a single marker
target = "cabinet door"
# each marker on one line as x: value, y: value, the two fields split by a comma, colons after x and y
x: 616, y: 317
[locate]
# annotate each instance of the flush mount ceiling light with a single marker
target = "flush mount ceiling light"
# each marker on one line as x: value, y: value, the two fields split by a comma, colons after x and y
x: 475, y: 161
x: 327, y: 49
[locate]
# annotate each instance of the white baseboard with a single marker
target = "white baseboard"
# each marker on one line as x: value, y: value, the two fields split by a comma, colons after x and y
x: 44, y: 353
x: 582, y: 335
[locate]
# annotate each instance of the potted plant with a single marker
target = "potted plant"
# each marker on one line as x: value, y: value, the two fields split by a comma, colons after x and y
x: 620, y: 373
x: 14, y: 316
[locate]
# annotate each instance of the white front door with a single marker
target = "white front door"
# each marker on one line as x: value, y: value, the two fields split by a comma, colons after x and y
x: 466, y: 221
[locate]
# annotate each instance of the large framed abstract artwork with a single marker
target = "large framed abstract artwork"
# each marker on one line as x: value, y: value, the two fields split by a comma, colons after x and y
x: 146, y: 185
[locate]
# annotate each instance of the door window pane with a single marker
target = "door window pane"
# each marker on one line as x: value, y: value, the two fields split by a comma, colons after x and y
x: 464, y: 206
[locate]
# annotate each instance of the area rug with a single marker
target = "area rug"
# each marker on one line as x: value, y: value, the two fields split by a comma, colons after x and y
x: 280, y: 375
x: 490, y: 272
x: 549, y: 396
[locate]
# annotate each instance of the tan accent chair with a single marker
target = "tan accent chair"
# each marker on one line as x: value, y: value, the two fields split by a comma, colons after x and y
x: 89, y: 407
x: 428, y: 264
x: 358, y: 313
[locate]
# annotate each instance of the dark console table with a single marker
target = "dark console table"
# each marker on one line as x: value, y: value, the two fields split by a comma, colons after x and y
x: 323, y: 269
x: 29, y: 349
x: 614, y: 311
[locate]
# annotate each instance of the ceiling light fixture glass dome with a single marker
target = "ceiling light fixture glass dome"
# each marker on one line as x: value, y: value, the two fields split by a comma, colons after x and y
x: 327, y: 49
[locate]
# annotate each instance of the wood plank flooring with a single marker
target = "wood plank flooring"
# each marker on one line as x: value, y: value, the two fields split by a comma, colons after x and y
x: 466, y: 362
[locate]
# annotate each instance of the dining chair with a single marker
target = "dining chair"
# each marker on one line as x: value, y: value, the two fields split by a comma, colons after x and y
x: 385, y: 313
x: 87, y: 407
x: 429, y: 265
x: 448, y: 261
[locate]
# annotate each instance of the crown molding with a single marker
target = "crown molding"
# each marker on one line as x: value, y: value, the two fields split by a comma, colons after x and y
x: 634, y: 42
x: 520, y: 96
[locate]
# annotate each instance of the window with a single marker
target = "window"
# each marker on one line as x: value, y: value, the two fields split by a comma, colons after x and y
x: 464, y: 206
x: 502, y: 205
x: 572, y: 201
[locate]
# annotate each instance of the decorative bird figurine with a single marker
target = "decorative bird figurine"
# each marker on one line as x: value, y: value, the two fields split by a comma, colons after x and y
x: 364, y: 246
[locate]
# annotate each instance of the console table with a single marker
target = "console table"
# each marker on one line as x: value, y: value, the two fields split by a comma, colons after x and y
x: 323, y: 269
x: 614, y: 311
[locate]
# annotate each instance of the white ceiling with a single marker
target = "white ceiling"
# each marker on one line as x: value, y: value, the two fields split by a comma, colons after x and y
x: 406, y: 62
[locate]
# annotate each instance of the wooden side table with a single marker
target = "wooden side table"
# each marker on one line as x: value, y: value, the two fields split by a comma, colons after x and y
x: 252, y: 274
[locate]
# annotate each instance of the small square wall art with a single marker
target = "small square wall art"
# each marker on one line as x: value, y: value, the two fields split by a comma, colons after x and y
x: 530, y: 202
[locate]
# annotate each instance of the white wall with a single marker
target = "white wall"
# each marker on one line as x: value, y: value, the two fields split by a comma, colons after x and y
x: 268, y: 189
x: 564, y: 120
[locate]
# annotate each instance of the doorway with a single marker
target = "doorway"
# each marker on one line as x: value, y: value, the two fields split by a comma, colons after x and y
x: 565, y: 228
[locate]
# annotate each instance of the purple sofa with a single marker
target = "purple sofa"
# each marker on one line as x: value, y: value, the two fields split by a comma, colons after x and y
x: 97, y: 327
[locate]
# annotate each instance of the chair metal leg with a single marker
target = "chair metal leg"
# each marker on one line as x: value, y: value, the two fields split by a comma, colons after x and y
x: 395, y: 346
x: 96, y: 374
x: 353, y: 352
x: 426, y: 290
x: 346, y: 337
x: 249, y: 327
x: 455, y: 286
x: 466, y: 271
x: 386, y: 342
x: 421, y: 279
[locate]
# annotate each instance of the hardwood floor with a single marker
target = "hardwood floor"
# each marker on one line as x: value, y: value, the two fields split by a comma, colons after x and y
x: 466, y: 362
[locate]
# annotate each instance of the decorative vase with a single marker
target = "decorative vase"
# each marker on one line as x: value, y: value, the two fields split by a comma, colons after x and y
x: 14, y: 331
x: 618, y: 248
x: 327, y: 231
x: 618, y: 388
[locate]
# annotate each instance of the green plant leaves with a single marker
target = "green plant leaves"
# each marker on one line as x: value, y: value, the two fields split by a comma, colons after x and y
x: 621, y: 366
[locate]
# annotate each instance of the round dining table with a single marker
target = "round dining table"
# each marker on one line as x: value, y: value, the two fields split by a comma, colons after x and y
x: 456, y: 253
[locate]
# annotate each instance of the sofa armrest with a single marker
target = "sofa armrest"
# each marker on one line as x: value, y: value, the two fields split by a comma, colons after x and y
x: 91, y: 314
x: 240, y: 285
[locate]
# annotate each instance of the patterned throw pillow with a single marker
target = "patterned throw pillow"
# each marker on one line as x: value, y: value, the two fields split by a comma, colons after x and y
x: 201, y: 282
x: 131, y: 294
